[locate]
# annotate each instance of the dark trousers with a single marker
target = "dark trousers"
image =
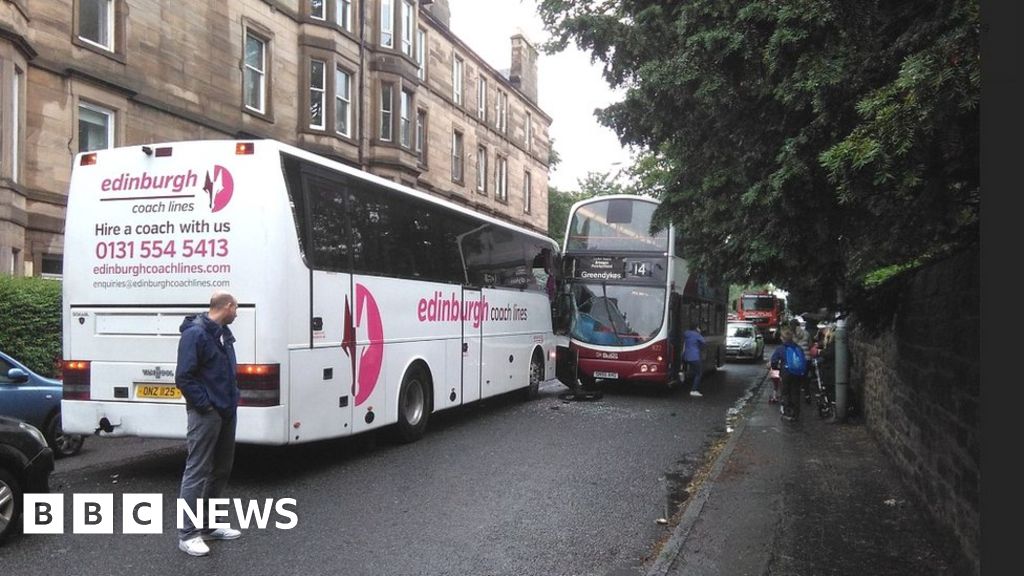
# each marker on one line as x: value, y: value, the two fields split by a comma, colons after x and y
x: 694, y: 371
x: 211, y: 454
x: 792, y: 388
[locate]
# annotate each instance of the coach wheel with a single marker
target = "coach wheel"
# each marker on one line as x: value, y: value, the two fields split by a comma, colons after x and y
x: 10, y: 503
x: 413, y: 405
x: 536, y: 375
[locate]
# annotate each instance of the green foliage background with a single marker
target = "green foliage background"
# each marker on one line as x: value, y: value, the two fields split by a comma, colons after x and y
x: 806, y: 143
x: 30, y: 322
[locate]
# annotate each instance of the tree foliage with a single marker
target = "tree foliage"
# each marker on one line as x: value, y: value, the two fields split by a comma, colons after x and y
x: 559, y: 202
x: 805, y: 142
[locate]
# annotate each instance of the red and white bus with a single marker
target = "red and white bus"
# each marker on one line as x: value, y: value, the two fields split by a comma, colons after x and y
x: 362, y: 303
x: 632, y: 296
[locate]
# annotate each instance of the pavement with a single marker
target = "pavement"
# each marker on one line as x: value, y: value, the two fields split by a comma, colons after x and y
x: 811, y: 497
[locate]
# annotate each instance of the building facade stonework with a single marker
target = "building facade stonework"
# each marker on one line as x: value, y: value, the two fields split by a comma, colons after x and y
x: 381, y: 85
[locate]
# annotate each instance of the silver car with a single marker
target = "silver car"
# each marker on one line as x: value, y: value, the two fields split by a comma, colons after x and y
x: 743, y: 341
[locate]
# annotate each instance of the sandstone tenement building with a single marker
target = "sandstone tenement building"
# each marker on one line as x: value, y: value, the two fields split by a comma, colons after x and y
x: 382, y: 85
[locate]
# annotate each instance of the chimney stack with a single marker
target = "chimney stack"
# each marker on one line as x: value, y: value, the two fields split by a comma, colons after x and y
x: 439, y: 10
x: 523, y: 74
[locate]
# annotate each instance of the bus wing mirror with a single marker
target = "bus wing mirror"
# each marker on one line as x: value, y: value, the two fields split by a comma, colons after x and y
x: 563, y: 313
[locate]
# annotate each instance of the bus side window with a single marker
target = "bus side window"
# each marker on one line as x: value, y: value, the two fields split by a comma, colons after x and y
x: 328, y: 239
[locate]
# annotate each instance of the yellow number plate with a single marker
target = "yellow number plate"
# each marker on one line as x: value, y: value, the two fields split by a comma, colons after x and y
x: 160, y: 391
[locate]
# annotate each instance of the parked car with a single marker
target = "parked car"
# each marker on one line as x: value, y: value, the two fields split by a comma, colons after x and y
x: 35, y: 399
x: 25, y: 465
x: 743, y: 341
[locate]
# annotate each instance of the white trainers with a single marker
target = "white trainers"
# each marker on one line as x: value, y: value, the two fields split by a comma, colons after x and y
x: 696, y: 394
x: 194, y: 546
x: 222, y: 534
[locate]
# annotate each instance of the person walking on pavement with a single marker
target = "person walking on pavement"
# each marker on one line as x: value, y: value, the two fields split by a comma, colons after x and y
x: 802, y: 338
x: 205, y: 374
x: 790, y: 361
x: 693, y: 345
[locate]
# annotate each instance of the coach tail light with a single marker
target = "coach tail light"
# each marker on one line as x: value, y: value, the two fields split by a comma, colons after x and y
x: 76, y: 376
x: 259, y: 384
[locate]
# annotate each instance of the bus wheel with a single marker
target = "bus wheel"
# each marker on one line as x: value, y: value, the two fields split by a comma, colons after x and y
x: 413, y: 405
x: 536, y: 375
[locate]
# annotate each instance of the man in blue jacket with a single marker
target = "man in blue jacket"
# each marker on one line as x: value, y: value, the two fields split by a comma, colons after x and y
x: 693, y: 344
x: 206, y: 376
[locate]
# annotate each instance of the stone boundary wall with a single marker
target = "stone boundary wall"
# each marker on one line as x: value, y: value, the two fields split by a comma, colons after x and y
x: 915, y: 370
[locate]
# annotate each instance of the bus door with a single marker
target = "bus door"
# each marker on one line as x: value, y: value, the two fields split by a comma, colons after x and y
x: 320, y: 394
x: 471, y: 343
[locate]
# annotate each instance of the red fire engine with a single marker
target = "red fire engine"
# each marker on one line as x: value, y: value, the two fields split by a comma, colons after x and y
x: 764, y: 309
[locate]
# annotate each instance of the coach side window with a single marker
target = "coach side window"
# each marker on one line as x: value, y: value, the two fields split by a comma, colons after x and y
x: 327, y: 223
x: 430, y: 236
x: 376, y: 220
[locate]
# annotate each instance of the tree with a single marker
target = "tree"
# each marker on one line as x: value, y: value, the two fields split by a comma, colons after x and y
x: 554, y: 158
x: 805, y: 142
x: 558, y: 212
x: 559, y: 203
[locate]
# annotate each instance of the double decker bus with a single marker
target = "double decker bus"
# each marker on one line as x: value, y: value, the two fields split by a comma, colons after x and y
x: 632, y: 295
x: 362, y: 303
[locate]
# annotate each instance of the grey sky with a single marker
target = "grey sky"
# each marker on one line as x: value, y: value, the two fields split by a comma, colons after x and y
x: 570, y: 87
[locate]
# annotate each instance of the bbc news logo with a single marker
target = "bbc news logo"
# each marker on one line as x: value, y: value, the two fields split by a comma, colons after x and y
x: 144, y: 513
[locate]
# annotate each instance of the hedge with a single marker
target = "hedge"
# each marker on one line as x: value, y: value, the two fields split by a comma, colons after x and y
x: 30, y: 322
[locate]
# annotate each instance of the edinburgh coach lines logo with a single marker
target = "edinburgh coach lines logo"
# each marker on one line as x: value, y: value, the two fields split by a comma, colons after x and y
x: 366, y: 371
x: 219, y: 188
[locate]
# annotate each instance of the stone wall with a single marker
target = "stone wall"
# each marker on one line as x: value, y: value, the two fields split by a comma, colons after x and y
x: 915, y: 369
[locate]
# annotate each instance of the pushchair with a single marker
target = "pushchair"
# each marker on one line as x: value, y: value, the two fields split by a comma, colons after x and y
x: 822, y: 395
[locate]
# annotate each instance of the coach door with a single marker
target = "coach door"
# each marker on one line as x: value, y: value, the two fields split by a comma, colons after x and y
x: 320, y: 391
x: 471, y: 345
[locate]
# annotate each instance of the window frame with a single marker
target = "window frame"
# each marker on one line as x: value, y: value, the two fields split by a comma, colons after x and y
x: 527, y: 192
x: 421, y: 53
x: 321, y: 93
x: 404, y: 119
x: 389, y: 112
x: 323, y: 10
x: 343, y: 14
x: 264, y: 74
x: 501, y: 179
x: 481, y: 170
x: 408, y: 25
x: 54, y: 260
x: 386, y: 25
x: 501, y: 111
x: 14, y: 113
x: 481, y: 98
x: 458, y: 73
x: 111, y: 28
x: 339, y: 70
x: 528, y: 136
x: 421, y: 136
x: 458, y: 163
x: 110, y: 128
